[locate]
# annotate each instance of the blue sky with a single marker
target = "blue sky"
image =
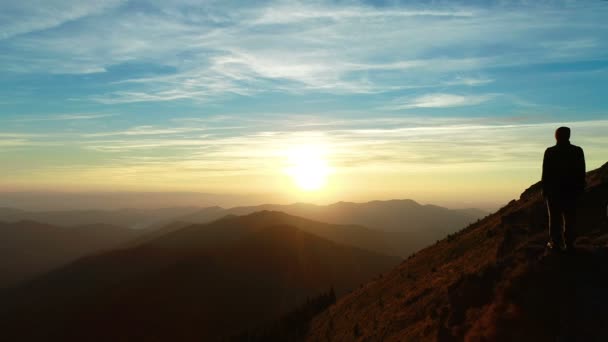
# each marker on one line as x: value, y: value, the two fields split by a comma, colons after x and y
x: 212, y: 95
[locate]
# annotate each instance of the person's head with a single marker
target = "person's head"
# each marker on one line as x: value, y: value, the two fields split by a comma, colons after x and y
x: 562, y: 134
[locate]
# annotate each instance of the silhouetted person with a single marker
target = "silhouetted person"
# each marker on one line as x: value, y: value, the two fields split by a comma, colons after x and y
x: 563, y: 182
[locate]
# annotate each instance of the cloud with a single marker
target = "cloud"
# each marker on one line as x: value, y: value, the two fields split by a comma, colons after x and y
x: 64, y: 117
x: 298, y: 13
x: 299, y: 47
x: 147, y: 130
x: 14, y: 142
x: 468, y: 81
x: 18, y: 140
x: 382, y: 142
x: 184, y: 155
x: 441, y: 100
x: 17, y: 135
x: 23, y: 17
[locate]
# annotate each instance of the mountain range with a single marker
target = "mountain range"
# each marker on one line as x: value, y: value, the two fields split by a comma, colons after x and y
x: 128, y: 218
x: 396, y: 227
x: 198, y: 282
x: 392, y: 215
x: 29, y: 248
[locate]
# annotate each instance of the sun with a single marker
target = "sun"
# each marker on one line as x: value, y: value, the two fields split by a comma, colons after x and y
x: 308, y: 167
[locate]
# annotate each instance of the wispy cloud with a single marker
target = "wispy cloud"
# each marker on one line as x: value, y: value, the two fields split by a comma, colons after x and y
x: 394, y: 142
x: 147, y: 130
x: 409, y: 146
x: 299, y: 47
x: 64, y: 117
x: 296, y: 13
x: 181, y: 155
x: 469, y: 81
x: 14, y: 142
x: 441, y: 100
x: 22, y: 17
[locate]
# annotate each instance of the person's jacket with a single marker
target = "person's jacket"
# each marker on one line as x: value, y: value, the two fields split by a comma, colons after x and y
x: 563, y: 170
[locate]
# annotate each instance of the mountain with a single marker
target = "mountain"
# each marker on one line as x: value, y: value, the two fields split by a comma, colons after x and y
x: 492, y: 281
x: 30, y: 248
x: 402, y: 226
x: 113, y: 200
x: 389, y: 243
x: 131, y: 218
x: 398, y: 227
x: 199, y: 282
x: 393, y: 215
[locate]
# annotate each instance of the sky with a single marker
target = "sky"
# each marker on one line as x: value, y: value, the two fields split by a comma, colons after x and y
x: 451, y: 103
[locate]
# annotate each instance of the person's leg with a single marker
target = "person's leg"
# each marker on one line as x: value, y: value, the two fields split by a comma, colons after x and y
x: 570, y: 222
x: 555, y: 222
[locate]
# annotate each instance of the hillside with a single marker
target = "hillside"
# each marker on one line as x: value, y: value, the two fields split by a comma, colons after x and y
x: 492, y: 281
x: 195, y: 283
x: 30, y: 248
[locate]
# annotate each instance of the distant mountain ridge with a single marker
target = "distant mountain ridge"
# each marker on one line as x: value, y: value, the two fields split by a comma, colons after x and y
x: 395, y: 227
x: 128, y: 218
x: 392, y: 215
x: 29, y: 248
x: 401, y: 226
x: 17, y: 264
x: 388, y: 243
x: 193, y: 283
x: 492, y: 281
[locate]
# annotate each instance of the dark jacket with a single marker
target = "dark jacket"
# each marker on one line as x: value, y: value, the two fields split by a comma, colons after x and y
x: 563, y: 171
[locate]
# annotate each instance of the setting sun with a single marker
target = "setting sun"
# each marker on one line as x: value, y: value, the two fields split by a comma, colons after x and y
x: 308, y: 168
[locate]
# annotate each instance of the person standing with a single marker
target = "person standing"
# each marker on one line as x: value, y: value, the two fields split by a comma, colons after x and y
x: 563, y: 181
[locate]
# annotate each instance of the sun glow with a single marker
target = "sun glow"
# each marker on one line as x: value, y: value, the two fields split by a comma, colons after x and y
x: 308, y: 167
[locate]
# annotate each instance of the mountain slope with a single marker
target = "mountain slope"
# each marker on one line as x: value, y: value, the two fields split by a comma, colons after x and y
x: 491, y: 281
x: 30, y: 248
x: 195, y: 283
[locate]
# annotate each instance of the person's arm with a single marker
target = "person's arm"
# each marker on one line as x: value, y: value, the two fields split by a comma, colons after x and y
x: 582, y: 170
x: 545, y: 174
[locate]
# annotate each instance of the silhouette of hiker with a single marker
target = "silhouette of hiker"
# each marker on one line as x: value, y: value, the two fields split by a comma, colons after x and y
x: 563, y: 181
